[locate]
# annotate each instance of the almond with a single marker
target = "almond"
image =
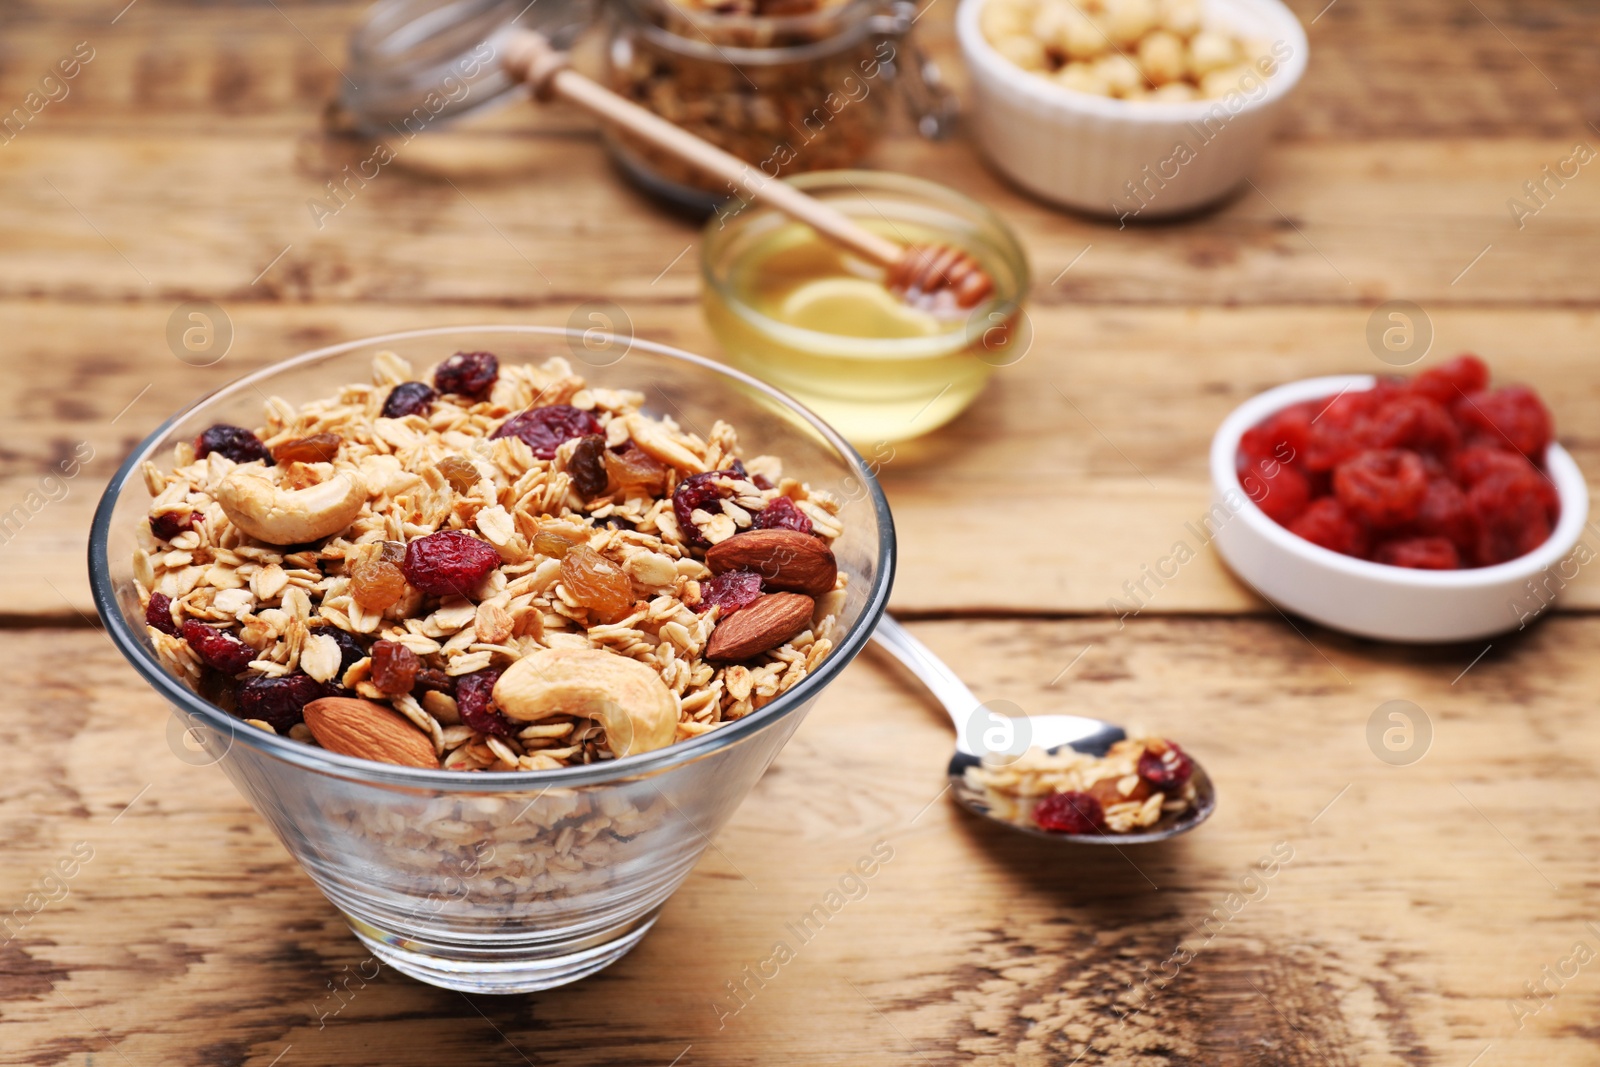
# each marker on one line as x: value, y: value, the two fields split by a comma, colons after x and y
x: 767, y: 623
x: 371, y: 731
x: 787, y: 560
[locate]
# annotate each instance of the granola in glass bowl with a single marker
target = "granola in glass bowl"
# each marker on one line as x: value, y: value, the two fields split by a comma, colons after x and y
x: 498, y: 568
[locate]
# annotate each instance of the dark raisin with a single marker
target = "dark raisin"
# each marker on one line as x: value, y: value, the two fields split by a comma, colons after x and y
x: 351, y: 650
x: 234, y: 442
x: 409, y: 398
x: 587, y: 467
x: 546, y: 429
x: 432, y: 680
x: 730, y: 591
x: 394, y: 667
x: 278, y: 702
x: 1071, y: 812
x: 170, y: 524
x: 450, y: 561
x: 475, y: 699
x: 158, y: 613
x: 469, y: 374
x: 782, y: 514
x: 1165, y: 766
x: 220, y: 650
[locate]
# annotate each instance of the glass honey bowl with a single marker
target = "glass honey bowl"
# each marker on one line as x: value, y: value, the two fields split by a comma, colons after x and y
x: 798, y: 312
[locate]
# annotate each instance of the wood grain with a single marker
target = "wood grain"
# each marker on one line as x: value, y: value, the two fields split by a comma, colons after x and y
x: 1417, y: 900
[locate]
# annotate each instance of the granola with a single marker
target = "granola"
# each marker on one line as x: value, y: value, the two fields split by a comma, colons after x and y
x: 503, y: 515
x: 1132, y: 787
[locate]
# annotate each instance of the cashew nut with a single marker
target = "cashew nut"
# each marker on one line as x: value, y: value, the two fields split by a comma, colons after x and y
x: 624, y: 696
x: 278, y: 516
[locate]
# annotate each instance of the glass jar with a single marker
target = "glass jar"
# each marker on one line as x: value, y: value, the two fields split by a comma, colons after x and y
x: 873, y: 389
x: 785, y: 93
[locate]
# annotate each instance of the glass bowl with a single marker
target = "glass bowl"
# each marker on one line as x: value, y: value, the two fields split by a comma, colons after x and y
x: 516, y: 881
x: 873, y: 390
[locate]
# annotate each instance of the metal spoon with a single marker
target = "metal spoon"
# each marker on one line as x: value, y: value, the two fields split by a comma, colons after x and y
x: 1050, y: 732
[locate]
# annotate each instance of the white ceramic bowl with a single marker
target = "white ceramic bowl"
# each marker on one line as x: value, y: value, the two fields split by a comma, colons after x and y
x: 1091, y: 152
x: 1374, y: 599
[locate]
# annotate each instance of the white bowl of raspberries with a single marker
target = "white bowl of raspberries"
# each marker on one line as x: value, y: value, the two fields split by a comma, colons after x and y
x: 1429, y: 509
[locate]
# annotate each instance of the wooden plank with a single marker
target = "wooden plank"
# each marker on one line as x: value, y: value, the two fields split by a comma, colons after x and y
x: 1514, y: 70
x: 1417, y: 902
x: 1080, y: 466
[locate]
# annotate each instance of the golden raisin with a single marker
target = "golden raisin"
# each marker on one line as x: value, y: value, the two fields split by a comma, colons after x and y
x: 376, y: 584
x: 318, y: 448
x: 548, y: 543
x: 635, y: 470
x: 394, y: 667
x: 597, y: 583
x: 459, y: 472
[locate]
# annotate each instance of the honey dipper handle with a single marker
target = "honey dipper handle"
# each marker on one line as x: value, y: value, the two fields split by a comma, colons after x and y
x: 529, y: 57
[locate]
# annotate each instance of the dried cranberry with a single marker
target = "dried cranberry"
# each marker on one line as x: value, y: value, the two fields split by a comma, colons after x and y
x: 1327, y: 523
x: 475, y: 700
x: 1383, y: 487
x: 469, y: 374
x: 234, y: 442
x: 761, y: 481
x: 1472, y: 465
x: 1514, y: 414
x: 1447, y: 382
x: 695, y: 493
x: 1414, y: 422
x: 546, y: 429
x: 1445, y: 514
x: 278, y: 702
x: 1514, y: 516
x: 782, y: 514
x: 220, y: 650
x: 1419, y: 553
x: 158, y: 613
x: 1283, y: 437
x: 1340, y: 429
x: 450, y: 561
x: 1277, y: 488
x: 409, y: 398
x: 730, y: 591
x: 1165, y: 766
x: 1071, y: 812
x: 587, y: 466
x: 170, y: 524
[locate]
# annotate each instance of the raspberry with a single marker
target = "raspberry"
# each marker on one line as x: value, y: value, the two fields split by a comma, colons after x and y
x: 1327, y: 523
x: 1514, y: 415
x: 469, y: 374
x: 1277, y: 488
x: 1420, y: 553
x: 475, y: 699
x: 1414, y: 422
x: 546, y: 429
x: 234, y: 442
x: 170, y: 524
x: 158, y: 613
x: 697, y: 492
x: 1165, y: 766
x: 278, y: 702
x: 730, y: 590
x: 450, y: 561
x: 409, y: 398
x: 782, y: 514
x: 1450, y: 381
x: 1382, y: 487
x: 1071, y: 812
x: 223, y: 651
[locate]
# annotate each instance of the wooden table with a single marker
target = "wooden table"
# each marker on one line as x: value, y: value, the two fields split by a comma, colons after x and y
x: 1420, y: 903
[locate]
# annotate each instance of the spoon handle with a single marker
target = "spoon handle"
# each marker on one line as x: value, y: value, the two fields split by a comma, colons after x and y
x: 959, y: 702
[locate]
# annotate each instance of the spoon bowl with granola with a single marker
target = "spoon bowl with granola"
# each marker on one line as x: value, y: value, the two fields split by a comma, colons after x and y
x: 1063, y: 777
x: 495, y: 627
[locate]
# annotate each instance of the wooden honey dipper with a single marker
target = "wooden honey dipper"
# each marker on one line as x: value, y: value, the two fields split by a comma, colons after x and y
x: 926, y: 276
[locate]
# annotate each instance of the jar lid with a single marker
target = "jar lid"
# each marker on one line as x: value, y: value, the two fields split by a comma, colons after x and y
x: 419, y: 64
